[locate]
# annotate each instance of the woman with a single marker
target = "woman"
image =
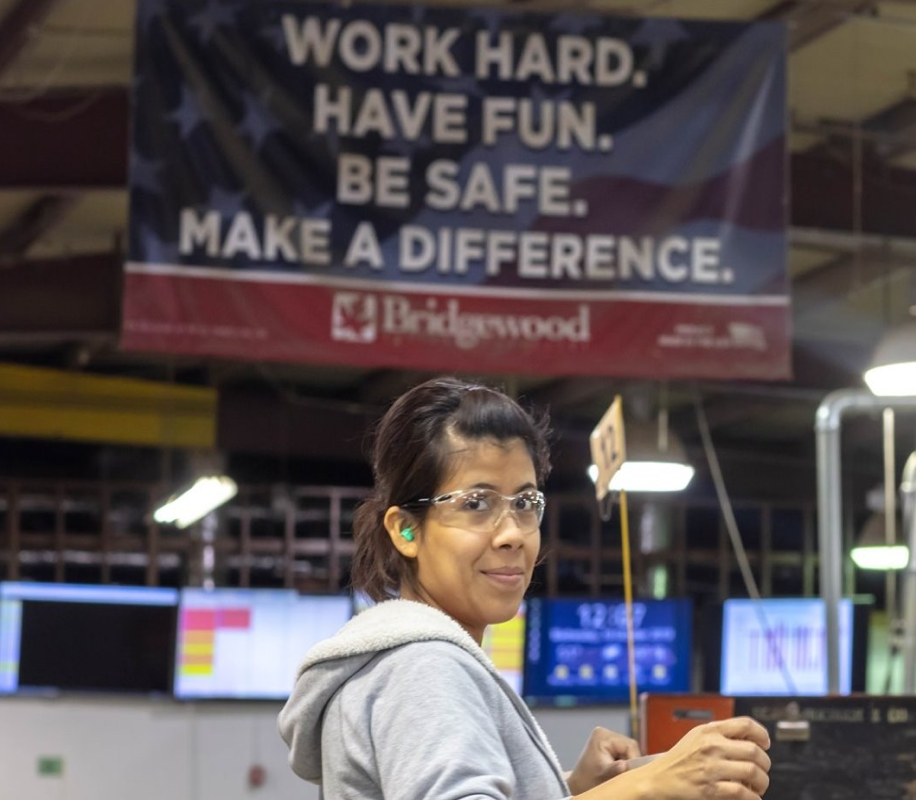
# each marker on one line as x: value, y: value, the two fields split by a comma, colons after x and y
x: 402, y: 703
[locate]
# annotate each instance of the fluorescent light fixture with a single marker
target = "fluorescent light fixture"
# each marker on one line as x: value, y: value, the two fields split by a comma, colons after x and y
x: 892, y: 380
x: 652, y: 476
x: 871, y: 549
x: 881, y: 557
x: 892, y: 372
x: 205, y: 495
x: 647, y: 467
x: 648, y: 476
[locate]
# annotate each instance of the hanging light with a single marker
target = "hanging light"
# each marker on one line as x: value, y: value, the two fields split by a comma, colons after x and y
x: 872, y: 551
x: 892, y: 372
x: 650, y: 467
x: 207, y: 494
x: 652, y: 476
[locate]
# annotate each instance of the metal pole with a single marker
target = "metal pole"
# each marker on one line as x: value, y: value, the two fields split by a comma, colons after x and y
x: 829, y: 504
x: 908, y: 495
x: 829, y: 537
x: 890, y: 514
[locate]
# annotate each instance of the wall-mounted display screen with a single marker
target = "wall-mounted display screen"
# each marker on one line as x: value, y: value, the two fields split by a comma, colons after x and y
x: 86, y: 638
x: 576, y: 650
x: 248, y: 643
x: 777, y: 646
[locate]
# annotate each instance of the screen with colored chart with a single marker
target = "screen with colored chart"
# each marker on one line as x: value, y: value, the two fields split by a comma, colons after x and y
x: 777, y: 646
x: 70, y: 637
x: 247, y: 644
x: 505, y: 645
x: 577, y: 650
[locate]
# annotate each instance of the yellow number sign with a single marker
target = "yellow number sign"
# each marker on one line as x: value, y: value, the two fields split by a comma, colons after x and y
x: 608, y: 446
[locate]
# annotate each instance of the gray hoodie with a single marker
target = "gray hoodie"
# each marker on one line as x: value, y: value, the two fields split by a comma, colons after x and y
x: 402, y: 704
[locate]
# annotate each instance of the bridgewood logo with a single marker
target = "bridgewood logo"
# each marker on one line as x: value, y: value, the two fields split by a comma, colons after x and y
x: 353, y: 317
x: 360, y: 318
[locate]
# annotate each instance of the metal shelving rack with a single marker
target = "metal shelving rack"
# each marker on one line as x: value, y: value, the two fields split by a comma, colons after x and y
x: 300, y: 537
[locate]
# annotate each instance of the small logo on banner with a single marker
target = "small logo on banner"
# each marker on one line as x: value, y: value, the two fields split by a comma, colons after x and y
x: 354, y: 318
x: 744, y: 334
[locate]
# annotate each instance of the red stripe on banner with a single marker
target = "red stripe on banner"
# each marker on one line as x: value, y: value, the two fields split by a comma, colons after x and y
x: 233, y: 618
x: 388, y: 327
x: 198, y: 619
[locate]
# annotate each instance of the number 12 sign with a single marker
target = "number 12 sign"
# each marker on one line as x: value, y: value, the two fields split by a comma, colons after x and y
x: 608, y: 446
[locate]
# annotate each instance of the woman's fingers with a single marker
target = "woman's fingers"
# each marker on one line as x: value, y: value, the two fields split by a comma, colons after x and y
x: 748, y: 751
x: 732, y: 791
x: 622, y: 747
x: 746, y: 773
x: 743, y: 728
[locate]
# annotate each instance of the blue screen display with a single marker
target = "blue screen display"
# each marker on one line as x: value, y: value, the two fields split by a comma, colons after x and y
x: 576, y: 650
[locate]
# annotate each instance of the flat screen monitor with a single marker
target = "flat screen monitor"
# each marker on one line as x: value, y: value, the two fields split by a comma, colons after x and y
x: 72, y: 637
x: 576, y: 650
x: 777, y: 646
x: 247, y: 643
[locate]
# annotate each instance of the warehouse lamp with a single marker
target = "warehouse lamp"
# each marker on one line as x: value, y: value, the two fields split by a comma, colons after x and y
x: 872, y: 551
x: 204, y: 496
x: 892, y: 372
x: 650, y: 466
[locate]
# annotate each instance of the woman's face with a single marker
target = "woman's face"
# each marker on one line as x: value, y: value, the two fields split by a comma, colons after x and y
x: 477, y: 578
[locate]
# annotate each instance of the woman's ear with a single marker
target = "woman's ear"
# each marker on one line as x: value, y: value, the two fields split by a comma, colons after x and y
x: 403, y: 530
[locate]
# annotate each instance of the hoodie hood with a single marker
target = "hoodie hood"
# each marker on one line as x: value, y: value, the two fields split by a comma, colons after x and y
x: 331, y: 663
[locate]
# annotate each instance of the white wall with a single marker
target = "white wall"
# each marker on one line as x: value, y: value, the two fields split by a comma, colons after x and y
x: 143, y: 750
x: 116, y: 749
x: 568, y: 728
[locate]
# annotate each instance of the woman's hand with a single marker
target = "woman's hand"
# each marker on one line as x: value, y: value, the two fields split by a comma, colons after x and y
x: 603, y: 757
x: 718, y: 761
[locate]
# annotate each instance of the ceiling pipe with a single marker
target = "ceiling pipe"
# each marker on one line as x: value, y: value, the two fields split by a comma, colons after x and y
x: 908, y: 495
x: 850, y: 242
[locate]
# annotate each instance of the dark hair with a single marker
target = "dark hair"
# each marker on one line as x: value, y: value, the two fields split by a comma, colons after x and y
x: 410, y: 459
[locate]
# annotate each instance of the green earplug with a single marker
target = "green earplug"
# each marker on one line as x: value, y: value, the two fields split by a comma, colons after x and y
x: 407, y: 535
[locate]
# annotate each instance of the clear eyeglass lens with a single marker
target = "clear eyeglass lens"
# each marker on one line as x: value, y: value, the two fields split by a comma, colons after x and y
x: 482, y: 509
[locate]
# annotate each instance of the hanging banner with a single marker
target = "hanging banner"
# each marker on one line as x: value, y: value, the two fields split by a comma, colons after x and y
x: 463, y: 189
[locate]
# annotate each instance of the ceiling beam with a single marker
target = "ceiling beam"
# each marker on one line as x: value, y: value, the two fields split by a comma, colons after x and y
x: 255, y: 421
x: 846, y: 273
x: 69, y: 139
x: 823, y: 187
x: 885, y: 135
x: 721, y: 410
x: 45, y: 403
x: 808, y: 20
x: 733, y: 404
x: 17, y: 28
x: 32, y: 224
x: 60, y: 300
